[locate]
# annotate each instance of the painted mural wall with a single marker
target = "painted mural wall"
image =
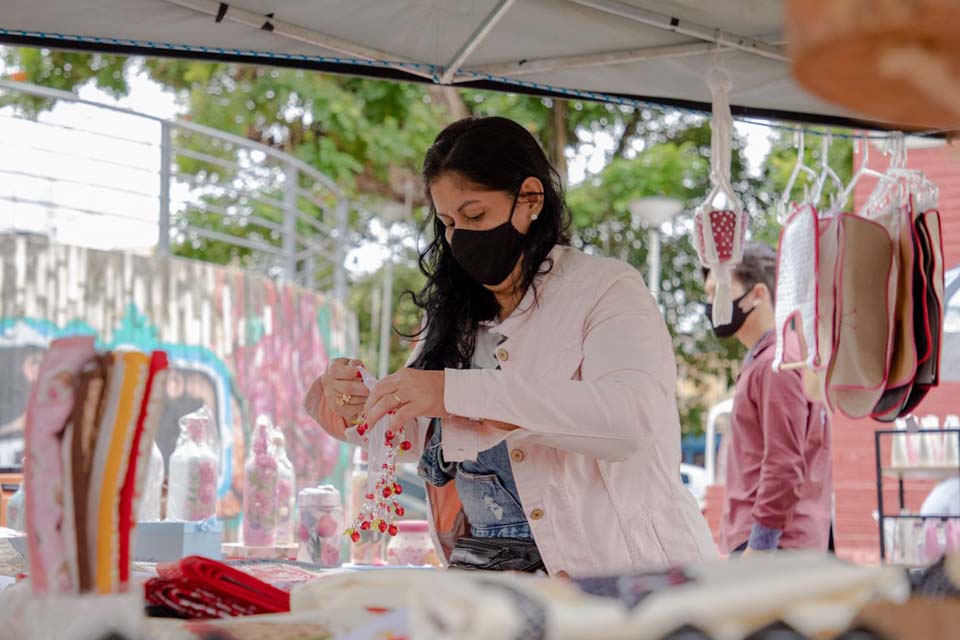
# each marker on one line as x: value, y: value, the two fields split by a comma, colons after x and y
x: 238, y: 342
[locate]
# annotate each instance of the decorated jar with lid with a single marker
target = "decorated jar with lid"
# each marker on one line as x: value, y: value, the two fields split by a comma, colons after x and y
x: 320, y: 527
x: 260, y: 475
x: 286, y: 489
x: 194, y: 469
x: 412, y: 546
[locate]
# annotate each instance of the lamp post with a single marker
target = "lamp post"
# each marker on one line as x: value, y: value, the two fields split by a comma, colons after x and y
x: 652, y: 212
x: 391, y: 213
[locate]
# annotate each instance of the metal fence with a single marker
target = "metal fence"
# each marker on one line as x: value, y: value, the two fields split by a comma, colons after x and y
x: 203, y: 192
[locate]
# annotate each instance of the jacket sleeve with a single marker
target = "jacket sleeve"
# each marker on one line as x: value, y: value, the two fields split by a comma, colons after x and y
x: 626, y: 392
x: 784, y: 415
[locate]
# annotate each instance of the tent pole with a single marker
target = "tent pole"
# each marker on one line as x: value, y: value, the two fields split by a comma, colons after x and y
x: 563, y: 63
x: 474, y: 40
x: 669, y: 23
x: 294, y: 32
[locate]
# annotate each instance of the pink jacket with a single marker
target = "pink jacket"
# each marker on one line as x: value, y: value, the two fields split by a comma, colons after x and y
x: 589, y: 376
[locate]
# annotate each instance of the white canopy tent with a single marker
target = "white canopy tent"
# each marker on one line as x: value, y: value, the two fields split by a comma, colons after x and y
x: 624, y: 51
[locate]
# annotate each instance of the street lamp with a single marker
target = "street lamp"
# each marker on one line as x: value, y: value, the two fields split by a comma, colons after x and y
x: 652, y: 212
x: 391, y: 213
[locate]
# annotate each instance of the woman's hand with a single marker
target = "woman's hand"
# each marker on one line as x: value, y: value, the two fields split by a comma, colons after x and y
x: 343, y: 390
x: 407, y: 394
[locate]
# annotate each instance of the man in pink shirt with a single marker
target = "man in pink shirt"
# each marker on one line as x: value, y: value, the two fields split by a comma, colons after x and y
x: 779, y: 481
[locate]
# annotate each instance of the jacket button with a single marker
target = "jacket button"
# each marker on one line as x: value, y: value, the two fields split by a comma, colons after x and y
x: 502, y: 354
x: 536, y: 514
x: 561, y: 574
x: 517, y: 455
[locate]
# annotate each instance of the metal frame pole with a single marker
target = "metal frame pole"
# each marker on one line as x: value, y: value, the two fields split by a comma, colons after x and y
x: 163, y: 221
x: 291, y: 178
x: 340, y: 251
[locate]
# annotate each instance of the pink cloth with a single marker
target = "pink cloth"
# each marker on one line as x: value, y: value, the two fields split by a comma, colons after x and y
x: 589, y: 376
x: 779, y: 473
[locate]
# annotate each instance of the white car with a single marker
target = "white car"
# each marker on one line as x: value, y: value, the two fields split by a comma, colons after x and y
x: 695, y: 479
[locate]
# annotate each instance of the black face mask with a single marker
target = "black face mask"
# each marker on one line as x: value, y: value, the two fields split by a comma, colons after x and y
x: 490, y: 256
x: 736, y: 323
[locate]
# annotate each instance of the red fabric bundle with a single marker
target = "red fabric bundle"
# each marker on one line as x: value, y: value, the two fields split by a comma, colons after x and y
x: 199, y: 587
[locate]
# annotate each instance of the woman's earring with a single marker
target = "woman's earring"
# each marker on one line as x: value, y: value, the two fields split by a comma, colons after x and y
x: 534, y: 217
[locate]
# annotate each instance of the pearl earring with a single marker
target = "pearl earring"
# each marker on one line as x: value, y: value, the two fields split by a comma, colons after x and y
x: 534, y: 217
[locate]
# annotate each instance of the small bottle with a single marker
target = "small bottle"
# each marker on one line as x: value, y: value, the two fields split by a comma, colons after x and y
x: 286, y: 489
x: 412, y: 546
x: 260, y: 474
x: 320, y: 530
x: 15, y: 519
x: 194, y: 470
x: 372, y: 547
x: 152, y: 487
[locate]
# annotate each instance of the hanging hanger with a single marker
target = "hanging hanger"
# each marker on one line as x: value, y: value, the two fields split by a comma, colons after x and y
x: 784, y: 203
x: 826, y: 172
x: 863, y: 170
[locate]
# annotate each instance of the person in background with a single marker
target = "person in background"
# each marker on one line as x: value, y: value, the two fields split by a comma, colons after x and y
x: 779, y: 486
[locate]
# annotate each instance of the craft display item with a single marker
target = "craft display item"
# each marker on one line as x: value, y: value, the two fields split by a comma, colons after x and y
x: 194, y: 470
x: 87, y: 432
x: 720, y: 222
x: 15, y: 510
x: 260, y: 476
x: 286, y: 489
x: 320, y: 514
x: 153, y: 487
x: 412, y: 546
x: 371, y: 548
x: 380, y: 508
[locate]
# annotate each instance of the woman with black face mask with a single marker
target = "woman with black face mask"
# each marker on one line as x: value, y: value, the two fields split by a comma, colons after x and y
x: 540, y: 397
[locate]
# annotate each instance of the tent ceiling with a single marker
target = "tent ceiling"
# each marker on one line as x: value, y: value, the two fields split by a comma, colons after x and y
x: 650, y: 50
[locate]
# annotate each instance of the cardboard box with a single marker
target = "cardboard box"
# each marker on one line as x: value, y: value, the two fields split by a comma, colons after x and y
x: 171, y: 541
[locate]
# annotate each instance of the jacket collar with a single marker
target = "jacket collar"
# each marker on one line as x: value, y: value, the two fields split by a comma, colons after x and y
x: 513, y: 323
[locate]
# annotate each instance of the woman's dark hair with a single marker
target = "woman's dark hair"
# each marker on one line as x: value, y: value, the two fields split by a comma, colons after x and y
x: 496, y: 154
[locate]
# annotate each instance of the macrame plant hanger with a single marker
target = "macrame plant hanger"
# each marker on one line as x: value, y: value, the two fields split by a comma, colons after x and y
x: 720, y: 222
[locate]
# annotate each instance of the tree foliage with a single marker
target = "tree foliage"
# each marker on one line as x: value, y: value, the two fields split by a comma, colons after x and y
x: 370, y: 136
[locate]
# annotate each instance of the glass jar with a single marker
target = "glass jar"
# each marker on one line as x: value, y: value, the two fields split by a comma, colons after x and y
x: 15, y: 510
x: 412, y: 546
x: 372, y: 547
x: 320, y: 531
x: 194, y: 470
x: 260, y: 509
x: 153, y: 487
x: 286, y: 489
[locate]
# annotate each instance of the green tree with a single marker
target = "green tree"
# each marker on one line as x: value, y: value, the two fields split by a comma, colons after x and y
x: 370, y: 135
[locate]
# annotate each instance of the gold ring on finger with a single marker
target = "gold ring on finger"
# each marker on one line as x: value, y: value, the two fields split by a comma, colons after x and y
x: 399, y: 401
x: 343, y: 399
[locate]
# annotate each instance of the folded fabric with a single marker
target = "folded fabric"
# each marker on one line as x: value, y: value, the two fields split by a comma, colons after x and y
x: 199, y: 587
x: 815, y: 594
x: 928, y: 371
x: 140, y: 448
x: 798, y: 279
x: 111, y: 458
x: 862, y: 335
x: 48, y: 410
x: 903, y: 360
x: 90, y: 384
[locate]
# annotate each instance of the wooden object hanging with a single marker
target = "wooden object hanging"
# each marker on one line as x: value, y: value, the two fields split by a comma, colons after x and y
x: 897, y: 61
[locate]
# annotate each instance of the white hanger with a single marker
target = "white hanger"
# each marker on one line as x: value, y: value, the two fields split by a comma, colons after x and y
x: 863, y: 170
x: 783, y: 204
x: 826, y: 172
